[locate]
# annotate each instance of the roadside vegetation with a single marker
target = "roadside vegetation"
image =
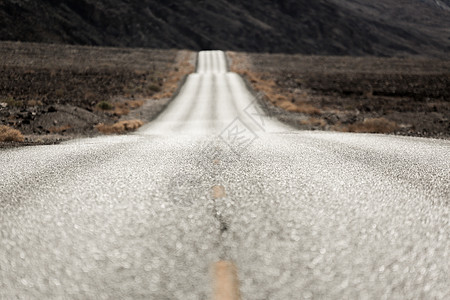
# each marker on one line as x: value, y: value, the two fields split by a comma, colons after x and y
x: 120, y: 127
x: 56, y: 92
x: 8, y: 134
x: 184, y: 66
x: 407, y: 96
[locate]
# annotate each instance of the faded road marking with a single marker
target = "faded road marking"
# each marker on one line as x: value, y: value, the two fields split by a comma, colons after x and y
x: 218, y: 192
x: 226, y: 283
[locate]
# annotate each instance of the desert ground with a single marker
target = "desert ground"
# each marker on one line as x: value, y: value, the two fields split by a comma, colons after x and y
x: 405, y: 96
x: 51, y: 93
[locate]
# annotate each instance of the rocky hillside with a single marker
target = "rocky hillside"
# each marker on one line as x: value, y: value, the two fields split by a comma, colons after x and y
x: 331, y: 27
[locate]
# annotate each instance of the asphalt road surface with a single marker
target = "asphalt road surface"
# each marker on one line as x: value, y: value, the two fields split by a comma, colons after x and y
x: 294, y: 214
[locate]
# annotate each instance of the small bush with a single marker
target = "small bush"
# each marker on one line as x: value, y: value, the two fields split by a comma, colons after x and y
x: 104, y: 105
x: 8, y: 134
x: 120, y: 127
x: 154, y: 88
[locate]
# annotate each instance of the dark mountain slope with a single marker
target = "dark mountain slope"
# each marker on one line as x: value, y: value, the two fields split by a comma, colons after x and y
x: 342, y: 27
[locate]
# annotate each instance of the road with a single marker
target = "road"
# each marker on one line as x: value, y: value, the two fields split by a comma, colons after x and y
x: 214, y: 182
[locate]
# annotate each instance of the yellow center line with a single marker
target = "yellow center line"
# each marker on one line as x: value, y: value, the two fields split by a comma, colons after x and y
x: 226, y: 283
x: 218, y: 192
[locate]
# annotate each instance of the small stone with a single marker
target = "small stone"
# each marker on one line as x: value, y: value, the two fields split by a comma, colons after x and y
x: 51, y: 109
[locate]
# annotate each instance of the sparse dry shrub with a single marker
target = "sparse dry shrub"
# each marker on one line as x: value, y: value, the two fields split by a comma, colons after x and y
x: 34, y: 103
x: 240, y: 62
x: 59, y: 129
x: 170, y: 85
x: 120, y: 127
x: 262, y: 83
x: 304, y: 108
x: 369, y: 125
x: 314, y: 122
x: 8, y: 134
x: 374, y: 125
x: 133, y: 104
x: 308, y: 109
x: 121, y: 109
x: 287, y: 105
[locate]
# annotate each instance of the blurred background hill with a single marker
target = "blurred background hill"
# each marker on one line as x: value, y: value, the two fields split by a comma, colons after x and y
x: 326, y: 27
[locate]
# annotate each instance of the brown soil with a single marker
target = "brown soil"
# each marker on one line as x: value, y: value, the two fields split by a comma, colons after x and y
x: 406, y: 96
x: 56, y: 92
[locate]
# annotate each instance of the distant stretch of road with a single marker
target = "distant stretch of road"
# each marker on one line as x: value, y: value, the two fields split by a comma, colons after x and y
x: 214, y: 199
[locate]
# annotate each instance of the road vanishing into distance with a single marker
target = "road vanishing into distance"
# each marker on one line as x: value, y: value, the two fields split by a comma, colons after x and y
x: 215, y: 200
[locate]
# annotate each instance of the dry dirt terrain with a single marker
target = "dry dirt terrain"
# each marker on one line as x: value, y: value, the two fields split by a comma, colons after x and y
x: 50, y: 93
x: 54, y: 92
x: 406, y: 96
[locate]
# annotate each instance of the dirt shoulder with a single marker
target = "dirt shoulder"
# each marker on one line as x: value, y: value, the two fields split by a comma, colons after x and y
x: 405, y: 96
x: 51, y: 93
